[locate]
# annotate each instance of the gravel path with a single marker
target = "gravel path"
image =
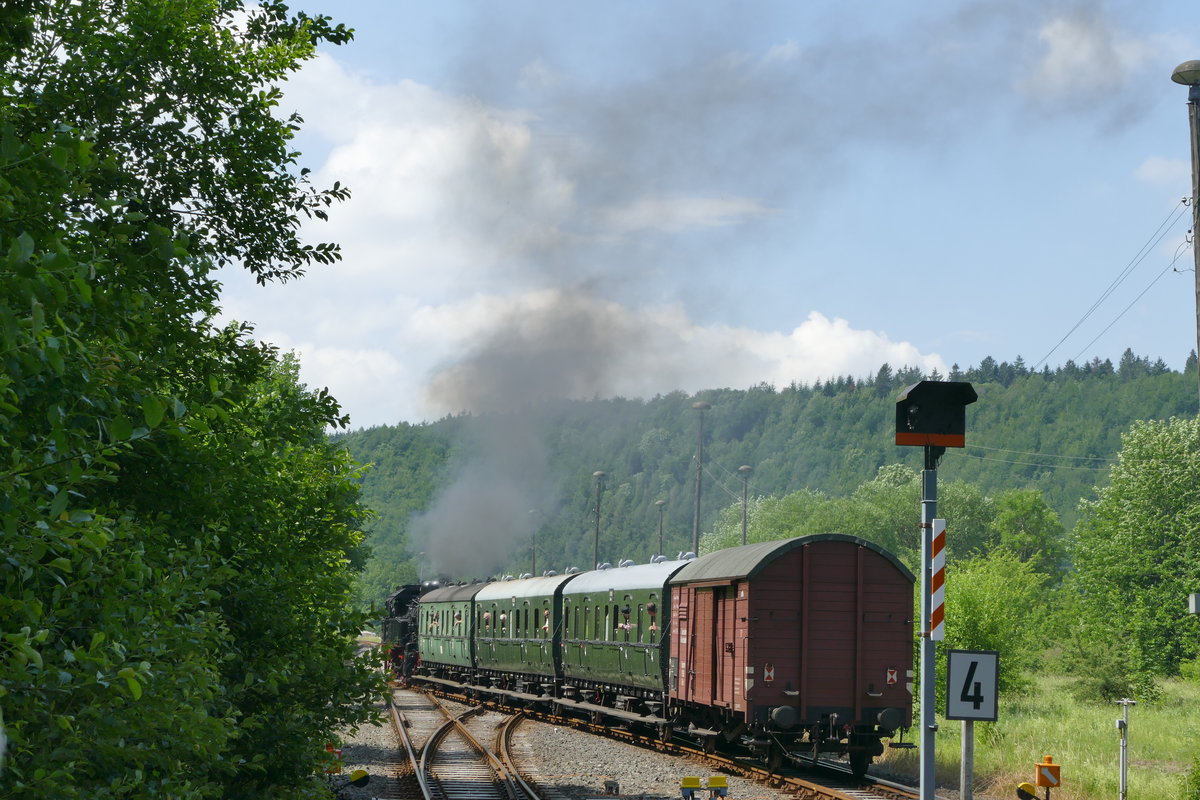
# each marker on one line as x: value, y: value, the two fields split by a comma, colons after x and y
x: 371, y: 748
x: 577, y: 764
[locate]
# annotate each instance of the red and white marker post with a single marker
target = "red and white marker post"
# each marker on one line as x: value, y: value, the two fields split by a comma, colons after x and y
x: 937, y: 584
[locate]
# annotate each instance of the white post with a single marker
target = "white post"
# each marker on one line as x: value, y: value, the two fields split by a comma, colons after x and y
x: 966, y: 774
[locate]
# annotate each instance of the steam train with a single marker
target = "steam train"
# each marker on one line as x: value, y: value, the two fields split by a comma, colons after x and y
x: 800, y: 645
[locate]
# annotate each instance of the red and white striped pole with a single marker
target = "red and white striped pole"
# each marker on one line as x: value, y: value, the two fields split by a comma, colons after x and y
x: 937, y: 585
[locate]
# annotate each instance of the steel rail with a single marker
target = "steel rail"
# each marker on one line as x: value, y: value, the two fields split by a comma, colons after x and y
x: 401, y: 731
x: 504, y: 747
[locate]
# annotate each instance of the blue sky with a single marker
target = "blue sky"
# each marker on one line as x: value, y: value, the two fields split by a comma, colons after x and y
x: 627, y: 198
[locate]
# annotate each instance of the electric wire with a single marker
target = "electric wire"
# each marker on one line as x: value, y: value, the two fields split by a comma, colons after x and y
x: 1091, y: 467
x: 733, y: 474
x: 1163, y: 229
x: 716, y: 479
x: 1133, y: 302
x: 1038, y: 454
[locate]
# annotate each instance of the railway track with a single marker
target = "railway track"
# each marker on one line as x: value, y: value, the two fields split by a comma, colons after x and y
x: 446, y: 755
x: 804, y: 778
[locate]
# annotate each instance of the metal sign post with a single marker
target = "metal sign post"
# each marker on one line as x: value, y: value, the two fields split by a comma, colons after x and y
x: 932, y: 415
x: 1123, y: 728
x: 972, y: 693
x: 928, y: 644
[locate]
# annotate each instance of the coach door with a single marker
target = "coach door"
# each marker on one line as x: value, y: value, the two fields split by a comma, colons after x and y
x: 702, y: 670
x: 725, y: 648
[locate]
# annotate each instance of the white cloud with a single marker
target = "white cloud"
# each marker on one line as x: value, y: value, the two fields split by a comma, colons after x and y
x: 782, y: 53
x: 1083, y: 56
x: 1169, y: 172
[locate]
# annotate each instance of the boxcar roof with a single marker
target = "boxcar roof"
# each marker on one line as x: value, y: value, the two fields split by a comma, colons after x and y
x: 447, y: 594
x: 522, y: 587
x: 638, y: 576
x: 748, y: 560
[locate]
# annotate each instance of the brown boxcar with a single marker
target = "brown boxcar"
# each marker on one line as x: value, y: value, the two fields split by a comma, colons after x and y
x: 797, y: 644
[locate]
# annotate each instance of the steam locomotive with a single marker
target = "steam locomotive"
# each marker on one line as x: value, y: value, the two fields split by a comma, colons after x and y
x: 800, y: 645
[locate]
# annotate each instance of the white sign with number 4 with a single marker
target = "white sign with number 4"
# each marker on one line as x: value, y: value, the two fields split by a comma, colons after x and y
x: 972, y: 684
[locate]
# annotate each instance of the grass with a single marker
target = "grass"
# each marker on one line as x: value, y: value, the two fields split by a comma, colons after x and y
x: 1081, y: 737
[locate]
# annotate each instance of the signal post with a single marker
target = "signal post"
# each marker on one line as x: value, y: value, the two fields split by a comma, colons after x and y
x: 932, y: 415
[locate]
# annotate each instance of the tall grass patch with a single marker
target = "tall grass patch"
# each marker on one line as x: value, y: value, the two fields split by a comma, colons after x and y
x: 1081, y: 737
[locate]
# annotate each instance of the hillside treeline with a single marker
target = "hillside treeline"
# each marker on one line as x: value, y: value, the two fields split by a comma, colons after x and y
x: 1053, y: 431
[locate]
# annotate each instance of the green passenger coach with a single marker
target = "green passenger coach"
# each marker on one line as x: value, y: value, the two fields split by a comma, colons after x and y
x: 614, y: 628
x: 518, y: 629
x: 445, y: 631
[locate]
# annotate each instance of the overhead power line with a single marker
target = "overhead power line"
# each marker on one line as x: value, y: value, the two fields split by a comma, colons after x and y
x: 1159, y: 234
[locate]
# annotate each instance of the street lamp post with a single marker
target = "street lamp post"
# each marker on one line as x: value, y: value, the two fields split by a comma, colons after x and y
x: 745, y: 469
x: 660, y: 504
x: 1188, y: 74
x: 700, y: 406
x: 533, y: 515
x: 599, y: 476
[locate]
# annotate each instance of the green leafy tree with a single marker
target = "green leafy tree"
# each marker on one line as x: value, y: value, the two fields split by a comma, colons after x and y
x: 992, y: 603
x: 177, y: 533
x: 1136, y: 551
x: 1027, y: 527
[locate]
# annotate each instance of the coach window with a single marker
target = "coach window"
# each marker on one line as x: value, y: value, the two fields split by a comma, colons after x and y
x: 641, y: 636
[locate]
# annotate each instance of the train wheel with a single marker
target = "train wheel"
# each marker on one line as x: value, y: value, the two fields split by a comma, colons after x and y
x: 774, y: 758
x: 859, y: 761
x: 710, y: 745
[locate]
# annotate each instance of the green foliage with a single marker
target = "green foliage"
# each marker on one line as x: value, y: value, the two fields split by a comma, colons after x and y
x: 178, y: 534
x: 995, y: 602
x: 1136, y: 550
x: 1101, y: 669
x: 1191, y: 781
x: 1026, y: 526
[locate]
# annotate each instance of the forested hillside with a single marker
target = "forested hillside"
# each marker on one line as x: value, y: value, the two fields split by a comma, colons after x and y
x: 1053, y: 431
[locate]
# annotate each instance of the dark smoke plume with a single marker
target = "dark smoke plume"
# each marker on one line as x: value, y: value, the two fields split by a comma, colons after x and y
x: 759, y: 130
